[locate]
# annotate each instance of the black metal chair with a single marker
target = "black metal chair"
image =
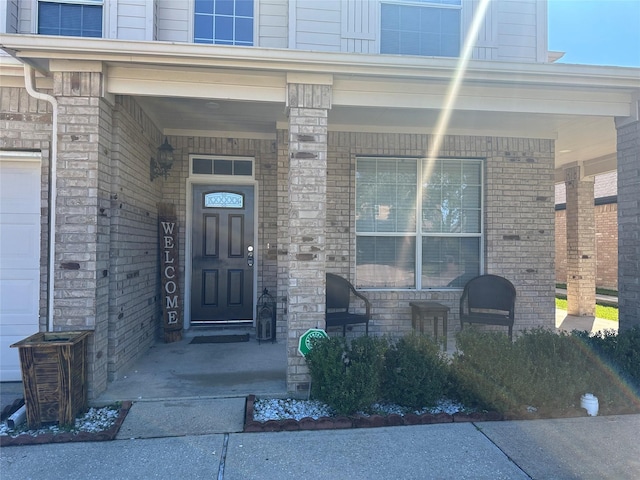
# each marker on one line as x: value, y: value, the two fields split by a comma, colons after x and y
x: 488, y: 300
x: 338, y: 303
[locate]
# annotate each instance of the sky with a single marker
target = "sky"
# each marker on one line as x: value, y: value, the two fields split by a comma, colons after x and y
x: 596, y: 32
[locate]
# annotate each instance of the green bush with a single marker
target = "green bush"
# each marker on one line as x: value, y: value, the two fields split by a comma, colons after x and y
x: 540, y: 369
x: 415, y: 373
x: 618, y: 351
x: 346, y: 376
x: 557, y: 368
x: 483, y: 373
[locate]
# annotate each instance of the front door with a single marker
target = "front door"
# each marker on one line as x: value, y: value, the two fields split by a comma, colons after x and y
x: 222, y: 254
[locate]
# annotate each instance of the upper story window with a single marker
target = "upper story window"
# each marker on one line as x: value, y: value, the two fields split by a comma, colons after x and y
x: 74, y: 18
x: 421, y: 27
x: 418, y: 222
x: 224, y: 22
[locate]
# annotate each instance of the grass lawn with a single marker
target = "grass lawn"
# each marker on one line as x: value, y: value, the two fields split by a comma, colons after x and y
x: 608, y: 313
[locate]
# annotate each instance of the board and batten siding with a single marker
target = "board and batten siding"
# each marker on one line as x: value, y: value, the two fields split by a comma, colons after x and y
x: 9, y: 17
x: 486, y: 41
x: 359, y: 26
x: 272, y: 25
x: 512, y: 30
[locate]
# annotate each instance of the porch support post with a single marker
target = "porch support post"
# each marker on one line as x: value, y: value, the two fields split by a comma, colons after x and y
x: 581, y: 244
x: 308, y: 105
x: 629, y: 218
x: 83, y: 209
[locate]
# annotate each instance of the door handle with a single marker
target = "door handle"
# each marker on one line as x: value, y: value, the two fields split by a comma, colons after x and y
x: 250, y: 255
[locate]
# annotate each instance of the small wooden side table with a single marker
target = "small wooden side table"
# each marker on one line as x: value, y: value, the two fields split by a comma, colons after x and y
x: 420, y: 311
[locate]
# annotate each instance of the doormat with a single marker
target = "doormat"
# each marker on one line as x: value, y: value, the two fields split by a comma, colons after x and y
x: 220, y: 338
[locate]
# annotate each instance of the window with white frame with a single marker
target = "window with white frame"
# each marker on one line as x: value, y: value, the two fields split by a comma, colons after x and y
x: 74, y: 18
x: 224, y: 22
x: 421, y: 27
x: 396, y: 251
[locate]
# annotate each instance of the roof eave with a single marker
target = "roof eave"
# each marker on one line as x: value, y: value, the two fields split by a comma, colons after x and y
x: 33, y: 48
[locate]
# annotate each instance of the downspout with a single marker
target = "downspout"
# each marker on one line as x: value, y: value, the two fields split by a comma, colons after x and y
x: 29, y: 82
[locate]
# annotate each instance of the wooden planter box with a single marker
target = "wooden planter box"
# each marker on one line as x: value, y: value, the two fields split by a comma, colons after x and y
x: 54, y: 376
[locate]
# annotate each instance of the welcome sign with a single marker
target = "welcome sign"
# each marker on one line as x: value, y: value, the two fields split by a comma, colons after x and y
x: 169, y: 271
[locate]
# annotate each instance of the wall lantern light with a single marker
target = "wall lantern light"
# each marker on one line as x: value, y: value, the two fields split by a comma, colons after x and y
x: 164, y: 162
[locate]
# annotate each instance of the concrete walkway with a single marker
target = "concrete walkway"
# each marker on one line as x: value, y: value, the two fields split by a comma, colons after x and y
x: 577, y: 448
x: 200, y: 437
x: 568, y: 323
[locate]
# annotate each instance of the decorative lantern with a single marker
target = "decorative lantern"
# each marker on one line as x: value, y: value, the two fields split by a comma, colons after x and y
x: 266, y: 317
x: 164, y: 163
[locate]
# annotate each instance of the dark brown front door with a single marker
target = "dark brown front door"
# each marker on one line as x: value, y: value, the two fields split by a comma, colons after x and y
x: 222, y: 254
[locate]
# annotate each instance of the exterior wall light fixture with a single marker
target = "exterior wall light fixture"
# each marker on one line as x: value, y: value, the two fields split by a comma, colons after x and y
x: 164, y: 162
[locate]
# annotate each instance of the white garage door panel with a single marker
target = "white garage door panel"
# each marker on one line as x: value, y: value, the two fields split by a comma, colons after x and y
x: 19, y: 241
x: 9, y: 357
x: 19, y: 259
x: 20, y: 181
x: 19, y: 299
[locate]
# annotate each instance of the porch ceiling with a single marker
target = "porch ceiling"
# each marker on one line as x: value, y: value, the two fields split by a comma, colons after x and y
x: 587, y: 139
x: 211, y: 90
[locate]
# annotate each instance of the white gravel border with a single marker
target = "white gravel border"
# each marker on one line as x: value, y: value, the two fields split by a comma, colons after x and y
x: 94, y: 421
x: 282, y: 409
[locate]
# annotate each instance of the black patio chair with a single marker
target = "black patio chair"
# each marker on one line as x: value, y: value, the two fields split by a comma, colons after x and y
x: 339, y: 311
x: 488, y: 300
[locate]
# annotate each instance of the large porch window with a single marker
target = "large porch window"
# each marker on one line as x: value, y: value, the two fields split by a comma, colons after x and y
x: 442, y: 249
x: 421, y: 27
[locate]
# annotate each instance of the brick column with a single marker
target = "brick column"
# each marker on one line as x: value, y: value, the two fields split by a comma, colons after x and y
x: 83, y: 205
x: 308, y: 107
x: 629, y: 219
x: 581, y: 244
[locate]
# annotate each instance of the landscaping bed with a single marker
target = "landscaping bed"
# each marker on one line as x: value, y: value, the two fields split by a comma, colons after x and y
x: 96, y: 425
x: 330, y: 422
x: 542, y: 374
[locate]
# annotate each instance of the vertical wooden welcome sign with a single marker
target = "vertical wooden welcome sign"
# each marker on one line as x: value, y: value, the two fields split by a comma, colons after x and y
x: 172, y: 319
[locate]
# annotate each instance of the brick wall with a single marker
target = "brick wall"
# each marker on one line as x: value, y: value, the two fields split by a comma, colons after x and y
x: 629, y: 221
x: 518, y: 216
x: 606, y: 221
x: 134, y: 296
x: 607, y: 246
x: 307, y: 219
x: 83, y: 233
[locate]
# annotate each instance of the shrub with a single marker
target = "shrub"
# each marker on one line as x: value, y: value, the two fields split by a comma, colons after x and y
x: 541, y: 369
x: 415, y: 373
x: 618, y: 351
x: 483, y: 373
x: 346, y: 376
x: 558, y: 369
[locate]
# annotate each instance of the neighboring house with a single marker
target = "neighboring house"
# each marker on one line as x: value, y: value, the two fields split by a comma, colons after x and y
x: 396, y: 143
x: 606, y: 231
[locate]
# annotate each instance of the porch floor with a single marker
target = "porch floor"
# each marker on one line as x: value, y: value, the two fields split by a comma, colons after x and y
x: 217, y: 370
x: 207, y: 370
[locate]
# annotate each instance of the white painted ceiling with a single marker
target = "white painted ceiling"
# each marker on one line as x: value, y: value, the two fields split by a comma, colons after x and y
x: 578, y: 138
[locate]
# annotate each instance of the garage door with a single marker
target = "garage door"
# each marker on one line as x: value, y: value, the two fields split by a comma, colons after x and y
x: 19, y: 255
